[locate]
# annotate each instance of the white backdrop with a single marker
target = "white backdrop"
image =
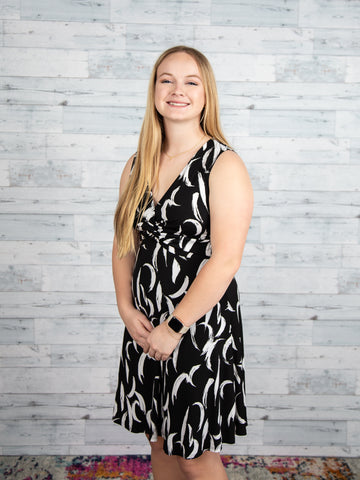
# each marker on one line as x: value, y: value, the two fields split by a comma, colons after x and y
x: 73, y: 79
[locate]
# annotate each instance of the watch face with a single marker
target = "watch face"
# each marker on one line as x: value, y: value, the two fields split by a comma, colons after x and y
x: 175, y: 324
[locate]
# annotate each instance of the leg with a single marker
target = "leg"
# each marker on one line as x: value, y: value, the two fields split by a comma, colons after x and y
x: 208, y: 465
x: 164, y: 466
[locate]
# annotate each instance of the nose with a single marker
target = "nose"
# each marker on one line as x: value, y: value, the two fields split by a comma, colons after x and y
x: 177, y: 90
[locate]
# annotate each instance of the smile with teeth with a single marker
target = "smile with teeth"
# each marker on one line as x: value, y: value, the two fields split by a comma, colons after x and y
x: 178, y: 104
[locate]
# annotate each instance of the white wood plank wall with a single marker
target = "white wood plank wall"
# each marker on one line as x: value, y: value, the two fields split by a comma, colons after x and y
x: 73, y: 81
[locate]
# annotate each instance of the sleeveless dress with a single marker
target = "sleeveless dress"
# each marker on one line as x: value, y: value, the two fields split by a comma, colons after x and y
x: 195, y: 399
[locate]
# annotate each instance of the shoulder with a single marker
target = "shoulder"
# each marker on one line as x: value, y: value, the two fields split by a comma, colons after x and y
x: 230, y: 172
x: 228, y: 161
x: 127, y: 172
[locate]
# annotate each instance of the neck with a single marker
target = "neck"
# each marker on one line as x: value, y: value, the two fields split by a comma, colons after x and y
x: 180, y: 137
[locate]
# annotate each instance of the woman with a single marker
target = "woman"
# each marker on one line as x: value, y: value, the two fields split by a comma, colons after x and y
x: 181, y: 378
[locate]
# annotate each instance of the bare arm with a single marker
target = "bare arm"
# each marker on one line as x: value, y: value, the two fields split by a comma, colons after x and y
x: 231, y: 205
x: 136, y: 323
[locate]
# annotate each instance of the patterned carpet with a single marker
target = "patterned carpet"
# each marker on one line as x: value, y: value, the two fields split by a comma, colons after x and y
x: 139, y: 468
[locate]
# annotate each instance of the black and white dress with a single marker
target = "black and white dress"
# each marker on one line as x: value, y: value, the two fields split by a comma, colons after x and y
x: 195, y: 399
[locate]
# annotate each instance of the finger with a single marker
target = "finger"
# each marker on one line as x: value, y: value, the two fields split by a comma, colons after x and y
x: 146, y: 323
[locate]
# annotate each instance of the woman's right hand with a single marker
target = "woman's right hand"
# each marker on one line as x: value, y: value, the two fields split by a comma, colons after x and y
x: 138, y: 326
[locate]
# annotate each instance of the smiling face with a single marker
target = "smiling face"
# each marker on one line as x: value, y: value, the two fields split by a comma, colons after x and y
x: 179, y: 89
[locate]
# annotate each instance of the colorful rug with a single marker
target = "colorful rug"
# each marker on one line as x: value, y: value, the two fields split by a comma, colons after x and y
x: 138, y: 468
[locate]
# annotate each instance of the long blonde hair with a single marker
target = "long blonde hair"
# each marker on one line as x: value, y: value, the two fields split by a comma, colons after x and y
x: 146, y: 167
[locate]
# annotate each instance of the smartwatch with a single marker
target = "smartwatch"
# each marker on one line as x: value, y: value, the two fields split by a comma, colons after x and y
x: 176, y: 325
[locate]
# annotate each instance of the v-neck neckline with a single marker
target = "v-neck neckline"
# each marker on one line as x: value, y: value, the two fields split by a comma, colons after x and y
x: 156, y: 203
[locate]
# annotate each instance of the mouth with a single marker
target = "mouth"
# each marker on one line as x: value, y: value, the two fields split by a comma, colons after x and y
x: 177, y: 104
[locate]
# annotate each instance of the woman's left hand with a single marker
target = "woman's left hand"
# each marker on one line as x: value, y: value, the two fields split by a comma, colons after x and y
x: 161, y: 342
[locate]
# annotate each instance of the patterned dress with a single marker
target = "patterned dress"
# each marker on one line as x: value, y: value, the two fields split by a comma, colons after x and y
x: 195, y: 399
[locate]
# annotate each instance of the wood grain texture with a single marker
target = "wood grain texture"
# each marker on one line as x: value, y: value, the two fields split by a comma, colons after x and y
x: 73, y: 83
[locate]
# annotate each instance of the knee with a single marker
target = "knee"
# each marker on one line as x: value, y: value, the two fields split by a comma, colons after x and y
x: 200, y: 466
x: 189, y: 468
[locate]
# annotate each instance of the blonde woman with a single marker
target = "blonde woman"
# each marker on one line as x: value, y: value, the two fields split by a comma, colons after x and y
x: 181, y: 222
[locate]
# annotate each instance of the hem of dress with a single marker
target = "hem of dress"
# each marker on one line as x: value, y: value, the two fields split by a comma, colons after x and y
x: 240, y: 433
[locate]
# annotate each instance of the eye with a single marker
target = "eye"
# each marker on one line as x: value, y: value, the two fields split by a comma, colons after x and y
x: 192, y: 83
x: 165, y: 81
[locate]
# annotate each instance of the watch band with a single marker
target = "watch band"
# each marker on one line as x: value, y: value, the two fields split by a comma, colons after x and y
x: 176, y: 325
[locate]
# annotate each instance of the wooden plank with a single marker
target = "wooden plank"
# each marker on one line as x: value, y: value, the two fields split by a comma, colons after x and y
x: 161, y: 13
x: 310, y: 204
x: 250, y: 13
x: 303, y: 407
x: 87, y: 203
x: 347, y: 124
x: 15, y: 118
x: 240, y: 67
x: 317, y: 68
x: 349, y: 281
x: 333, y: 41
x: 324, y: 14
x: 30, y: 62
x: 55, y: 380
x: 283, y: 40
x: 41, y: 227
x: 309, y: 230
x: 281, y: 432
x: 43, y: 253
x: 22, y: 145
x: 79, y: 331
x: 338, y: 309
x: 286, y: 123
x: 67, y: 10
x: 269, y: 356
x: 79, y: 278
x: 309, y: 255
x: 64, y: 35
x: 279, y: 280
x: 4, y: 173
x: 267, y: 150
x: 351, y: 256
x: 285, y: 95
x: 24, y: 356
x: 101, y: 253
x: 20, y: 278
x: 341, y: 357
x: 353, y: 69
x: 16, y: 330
x: 354, y: 150
x: 53, y: 406
x: 277, y: 332
x: 73, y: 91
x: 96, y: 227
x: 44, y: 174
x: 10, y: 9
x: 103, y: 120
x: 322, y: 381
x: 53, y: 305
x: 353, y: 435
x: 267, y: 381
x: 89, y: 147
x: 40, y: 432
x: 148, y: 36
x: 84, y: 355
x: 123, y: 65
x: 344, y: 332
x: 102, y: 174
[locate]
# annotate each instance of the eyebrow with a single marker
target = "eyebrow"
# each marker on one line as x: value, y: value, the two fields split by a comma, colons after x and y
x: 186, y: 76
